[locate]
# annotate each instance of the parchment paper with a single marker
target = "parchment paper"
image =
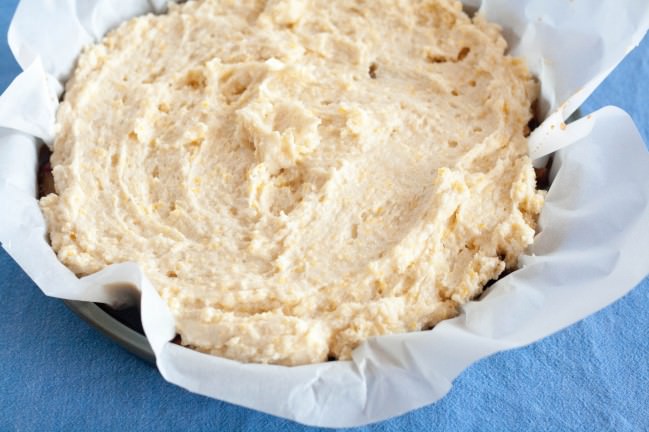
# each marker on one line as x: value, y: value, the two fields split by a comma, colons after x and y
x: 590, y: 250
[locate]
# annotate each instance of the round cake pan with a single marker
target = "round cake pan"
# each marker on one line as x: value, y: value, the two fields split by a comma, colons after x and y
x: 122, y: 326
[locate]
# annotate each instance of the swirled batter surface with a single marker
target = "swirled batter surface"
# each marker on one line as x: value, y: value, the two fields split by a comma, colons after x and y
x: 295, y: 177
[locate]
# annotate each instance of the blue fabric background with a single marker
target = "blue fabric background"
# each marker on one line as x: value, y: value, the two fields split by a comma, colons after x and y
x: 57, y: 373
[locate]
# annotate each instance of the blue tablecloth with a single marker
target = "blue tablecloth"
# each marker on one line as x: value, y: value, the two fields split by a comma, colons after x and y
x: 57, y: 373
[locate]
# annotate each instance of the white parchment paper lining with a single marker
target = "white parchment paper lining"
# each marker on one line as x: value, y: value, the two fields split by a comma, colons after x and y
x: 591, y: 249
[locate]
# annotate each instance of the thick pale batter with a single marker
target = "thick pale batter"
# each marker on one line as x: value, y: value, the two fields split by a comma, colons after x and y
x: 297, y: 176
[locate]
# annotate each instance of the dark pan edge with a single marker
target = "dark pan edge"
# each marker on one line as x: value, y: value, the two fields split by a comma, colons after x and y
x: 127, y: 338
